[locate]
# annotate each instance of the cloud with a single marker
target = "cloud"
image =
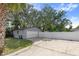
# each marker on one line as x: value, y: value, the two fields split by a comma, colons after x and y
x: 75, y: 21
x: 63, y: 6
x: 68, y: 7
x: 38, y: 6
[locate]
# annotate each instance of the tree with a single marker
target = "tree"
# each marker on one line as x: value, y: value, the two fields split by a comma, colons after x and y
x: 61, y: 21
x: 54, y: 20
x: 18, y: 22
x: 48, y: 14
x: 47, y: 19
x: 4, y: 8
x: 2, y: 28
x: 30, y: 15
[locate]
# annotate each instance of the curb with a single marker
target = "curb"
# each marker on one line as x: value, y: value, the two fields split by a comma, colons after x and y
x: 17, y: 52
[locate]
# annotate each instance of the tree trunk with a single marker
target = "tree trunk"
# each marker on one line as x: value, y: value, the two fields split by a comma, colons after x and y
x: 2, y: 27
x: 2, y: 35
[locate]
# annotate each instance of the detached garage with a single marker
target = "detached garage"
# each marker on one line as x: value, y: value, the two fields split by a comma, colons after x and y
x: 26, y: 33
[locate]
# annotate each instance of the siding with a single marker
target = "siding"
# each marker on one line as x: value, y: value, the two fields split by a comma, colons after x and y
x: 57, y: 35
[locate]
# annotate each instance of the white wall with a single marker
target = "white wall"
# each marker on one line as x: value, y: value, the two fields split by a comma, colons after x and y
x: 56, y: 35
x: 25, y: 34
x: 32, y: 34
x: 60, y: 35
x: 15, y: 34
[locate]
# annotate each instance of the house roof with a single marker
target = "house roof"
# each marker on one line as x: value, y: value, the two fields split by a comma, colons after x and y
x: 30, y: 29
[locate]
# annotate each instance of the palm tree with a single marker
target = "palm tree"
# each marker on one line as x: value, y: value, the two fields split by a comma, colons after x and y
x: 4, y: 8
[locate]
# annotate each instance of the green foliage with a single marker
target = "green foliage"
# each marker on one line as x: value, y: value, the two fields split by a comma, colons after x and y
x: 17, y: 22
x: 53, y: 20
x: 9, y: 32
x: 46, y: 19
x: 15, y: 43
x: 15, y: 7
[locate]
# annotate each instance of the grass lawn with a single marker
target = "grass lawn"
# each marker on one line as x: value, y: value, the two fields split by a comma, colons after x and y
x: 13, y: 45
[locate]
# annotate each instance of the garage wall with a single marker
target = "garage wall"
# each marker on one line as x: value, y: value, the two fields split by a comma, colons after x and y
x: 31, y: 34
x: 15, y: 34
x: 25, y: 34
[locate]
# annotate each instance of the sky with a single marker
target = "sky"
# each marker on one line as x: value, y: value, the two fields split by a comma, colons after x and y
x: 71, y: 9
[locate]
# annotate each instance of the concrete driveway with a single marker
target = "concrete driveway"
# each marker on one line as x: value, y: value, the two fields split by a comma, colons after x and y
x: 51, y: 47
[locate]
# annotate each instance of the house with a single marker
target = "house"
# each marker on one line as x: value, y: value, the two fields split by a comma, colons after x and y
x: 26, y: 33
